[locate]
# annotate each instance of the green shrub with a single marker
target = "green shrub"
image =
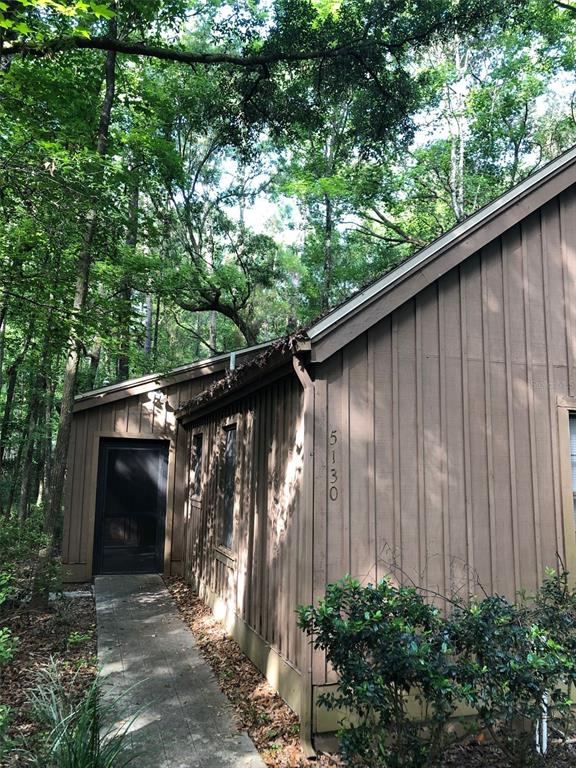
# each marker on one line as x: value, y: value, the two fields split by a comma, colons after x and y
x: 7, y: 645
x: 18, y: 541
x: 507, y: 664
x: 5, y: 741
x: 388, y: 647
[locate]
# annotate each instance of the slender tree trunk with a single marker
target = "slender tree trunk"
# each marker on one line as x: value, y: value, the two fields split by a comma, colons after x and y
x: 148, y: 326
x: 197, y: 341
x: 94, y: 355
x: 126, y: 289
x: 212, y: 330
x: 14, y: 483
x: 29, y: 444
x: 47, y: 453
x: 156, y: 331
x: 328, y: 252
x: 54, y: 501
x: 456, y: 97
x: 11, y: 377
x: 5, y: 426
x: 3, y: 313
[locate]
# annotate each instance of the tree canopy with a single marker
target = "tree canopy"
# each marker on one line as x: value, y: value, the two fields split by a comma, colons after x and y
x: 182, y: 178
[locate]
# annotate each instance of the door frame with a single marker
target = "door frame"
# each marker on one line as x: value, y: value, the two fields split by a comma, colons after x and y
x: 160, y: 449
x: 92, y: 486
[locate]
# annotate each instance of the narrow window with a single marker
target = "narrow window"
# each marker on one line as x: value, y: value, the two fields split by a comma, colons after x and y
x: 573, y: 458
x: 196, y: 464
x: 229, y: 486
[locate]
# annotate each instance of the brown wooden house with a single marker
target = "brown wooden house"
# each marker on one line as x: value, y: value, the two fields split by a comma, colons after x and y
x: 425, y: 427
x: 126, y: 445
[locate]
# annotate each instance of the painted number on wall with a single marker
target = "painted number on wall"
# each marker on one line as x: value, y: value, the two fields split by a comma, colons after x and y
x: 332, y: 473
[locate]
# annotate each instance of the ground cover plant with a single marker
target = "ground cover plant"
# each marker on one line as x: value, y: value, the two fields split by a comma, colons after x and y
x: 34, y: 637
x: 80, y: 731
x: 404, y: 667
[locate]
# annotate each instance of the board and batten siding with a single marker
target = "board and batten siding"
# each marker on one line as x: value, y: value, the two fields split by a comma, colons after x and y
x: 254, y: 586
x: 147, y: 415
x: 441, y: 450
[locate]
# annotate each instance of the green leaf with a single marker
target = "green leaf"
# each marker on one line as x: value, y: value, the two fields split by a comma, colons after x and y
x: 102, y: 11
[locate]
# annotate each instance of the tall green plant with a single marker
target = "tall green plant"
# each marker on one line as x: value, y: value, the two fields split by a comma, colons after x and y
x: 82, y: 734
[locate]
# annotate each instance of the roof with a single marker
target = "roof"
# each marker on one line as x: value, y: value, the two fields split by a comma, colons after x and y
x: 358, y: 313
x: 131, y: 387
x: 276, y: 354
x: 335, y: 329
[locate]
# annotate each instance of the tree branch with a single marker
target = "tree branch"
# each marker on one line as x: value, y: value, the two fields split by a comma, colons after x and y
x: 173, y: 54
x: 565, y: 6
x: 382, y: 219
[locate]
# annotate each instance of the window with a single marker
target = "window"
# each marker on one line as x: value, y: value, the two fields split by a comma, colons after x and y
x: 573, y: 459
x: 196, y: 464
x: 229, y: 486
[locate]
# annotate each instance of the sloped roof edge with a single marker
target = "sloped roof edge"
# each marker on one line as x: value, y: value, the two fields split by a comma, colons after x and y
x: 473, y: 223
x: 152, y: 381
x: 272, y: 357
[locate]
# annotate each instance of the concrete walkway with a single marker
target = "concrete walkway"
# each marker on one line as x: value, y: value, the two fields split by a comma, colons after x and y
x: 149, y: 656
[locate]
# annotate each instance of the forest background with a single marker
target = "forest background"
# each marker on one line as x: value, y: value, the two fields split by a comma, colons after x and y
x: 179, y: 179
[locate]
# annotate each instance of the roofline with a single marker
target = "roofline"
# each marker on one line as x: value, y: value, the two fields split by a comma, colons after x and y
x: 151, y: 381
x: 441, y: 244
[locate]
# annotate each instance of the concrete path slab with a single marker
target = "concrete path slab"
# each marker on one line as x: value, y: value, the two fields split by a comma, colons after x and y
x: 147, y: 654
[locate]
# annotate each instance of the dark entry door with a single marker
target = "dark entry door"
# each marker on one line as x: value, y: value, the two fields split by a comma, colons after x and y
x: 130, y: 506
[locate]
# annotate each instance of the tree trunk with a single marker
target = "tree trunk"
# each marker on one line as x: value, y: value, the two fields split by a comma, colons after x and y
x: 11, y: 378
x: 125, y: 318
x: 29, y: 444
x: 54, y: 500
x: 156, y: 332
x: 328, y: 253
x: 456, y: 97
x: 47, y: 441
x: 14, y: 483
x: 148, y: 326
x: 3, y: 313
x: 94, y: 355
x: 212, y: 330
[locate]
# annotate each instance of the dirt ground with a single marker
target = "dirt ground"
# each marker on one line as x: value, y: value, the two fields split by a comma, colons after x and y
x: 66, y: 632
x: 272, y: 725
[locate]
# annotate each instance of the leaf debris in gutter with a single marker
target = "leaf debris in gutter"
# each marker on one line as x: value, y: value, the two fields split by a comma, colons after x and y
x: 278, y: 352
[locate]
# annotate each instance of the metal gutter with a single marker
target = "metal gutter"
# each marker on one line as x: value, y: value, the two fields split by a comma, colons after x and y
x: 161, y: 377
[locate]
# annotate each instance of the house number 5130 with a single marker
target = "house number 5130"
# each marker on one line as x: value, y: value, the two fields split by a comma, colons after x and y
x: 332, y: 474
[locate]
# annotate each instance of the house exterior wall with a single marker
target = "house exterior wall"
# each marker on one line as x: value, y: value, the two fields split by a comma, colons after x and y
x: 146, y: 415
x: 441, y: 439
x: 254, y: 586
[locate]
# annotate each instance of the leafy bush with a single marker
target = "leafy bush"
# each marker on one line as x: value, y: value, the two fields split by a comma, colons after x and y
x: 508, y: 663
x: 390, y: 647
x: 81, y: 733
x: 5, y: 741
x: 7, y: 645
x: 7, y: 640
x: 18, y: 541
